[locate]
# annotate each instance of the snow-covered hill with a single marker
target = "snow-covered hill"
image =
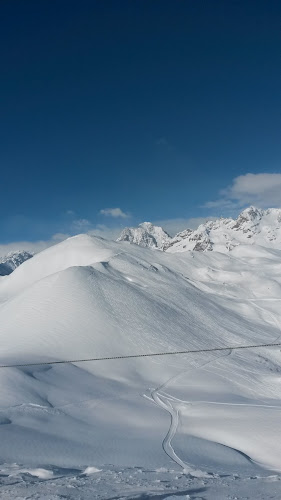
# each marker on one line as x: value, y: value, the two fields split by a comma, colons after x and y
x: 252, y: 227
x: 89, y: 298
x: 9, y: 262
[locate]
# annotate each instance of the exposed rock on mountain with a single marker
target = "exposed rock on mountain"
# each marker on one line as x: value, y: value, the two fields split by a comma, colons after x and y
x: 252, y: 226
x: 12, y: 260
x: 146, y: 235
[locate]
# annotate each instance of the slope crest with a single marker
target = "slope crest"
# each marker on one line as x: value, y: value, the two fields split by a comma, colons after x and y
x: 81, y: 250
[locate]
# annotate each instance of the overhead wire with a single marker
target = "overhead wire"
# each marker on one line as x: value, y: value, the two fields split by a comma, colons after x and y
x: 144, y: 355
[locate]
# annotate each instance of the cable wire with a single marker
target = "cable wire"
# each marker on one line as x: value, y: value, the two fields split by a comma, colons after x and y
x: 130, y: 356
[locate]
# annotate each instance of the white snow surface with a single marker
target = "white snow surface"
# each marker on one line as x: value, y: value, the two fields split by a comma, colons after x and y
x: 208, y: 415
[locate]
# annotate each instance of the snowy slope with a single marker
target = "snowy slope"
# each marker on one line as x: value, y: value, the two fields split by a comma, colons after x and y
x: 88, y: 297
x: 9, y: 262
x: 252, y: 227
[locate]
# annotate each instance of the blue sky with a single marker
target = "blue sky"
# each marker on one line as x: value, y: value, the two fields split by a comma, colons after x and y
x: 159, y: 109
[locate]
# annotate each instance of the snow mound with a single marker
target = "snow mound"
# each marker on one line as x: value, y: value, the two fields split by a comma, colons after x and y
x: 81, y: 250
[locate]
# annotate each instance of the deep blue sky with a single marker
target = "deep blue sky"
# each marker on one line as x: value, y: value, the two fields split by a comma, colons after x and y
x: 151, y: 106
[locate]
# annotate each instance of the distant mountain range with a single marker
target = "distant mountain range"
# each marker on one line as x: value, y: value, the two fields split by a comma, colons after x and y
x: 12, y: 260
x: 146, y: 235
x: 252, y: 226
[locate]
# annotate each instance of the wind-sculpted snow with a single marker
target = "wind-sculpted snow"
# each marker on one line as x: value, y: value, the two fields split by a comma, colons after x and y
x: 132, y: 483
x: 88, y: 297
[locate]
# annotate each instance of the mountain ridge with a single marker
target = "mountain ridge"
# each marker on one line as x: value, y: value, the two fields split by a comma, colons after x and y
x: 145, y: 235
x: 252, y: 226
x: 90, y: 297
x: 10, y: 261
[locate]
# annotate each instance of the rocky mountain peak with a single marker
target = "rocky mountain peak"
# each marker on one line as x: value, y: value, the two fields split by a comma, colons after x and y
x: 10, y: 261
x: 146, y: 235
x: 252, y: 226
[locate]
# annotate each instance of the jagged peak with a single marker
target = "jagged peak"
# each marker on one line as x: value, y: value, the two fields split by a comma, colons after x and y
x: 253, y: 225
x: 16, y: 254
x: 146, y: 234
x: 12, y: 260
x: 251, y: 213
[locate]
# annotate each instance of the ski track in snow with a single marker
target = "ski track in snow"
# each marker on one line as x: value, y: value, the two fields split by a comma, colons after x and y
x: 164, y: 401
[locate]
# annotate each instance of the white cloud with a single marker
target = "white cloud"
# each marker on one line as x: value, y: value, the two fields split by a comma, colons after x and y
x: 114, y: 212
x: 221, y: 203
x: 262, y: 190
x: 81, y: 224
x: 32, y: 246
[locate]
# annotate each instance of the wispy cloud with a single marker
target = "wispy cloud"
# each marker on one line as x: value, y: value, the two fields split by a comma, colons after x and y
x: 114, y: 212
x: 66, y: 225
x: 81, y: 224
x: 32, y: 246
x: 263, y: 190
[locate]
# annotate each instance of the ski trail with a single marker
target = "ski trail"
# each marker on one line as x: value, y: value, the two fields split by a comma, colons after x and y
x: 167, y: 447
x: 167, y: 442
x: 163, y: 400
x: 248, y: 405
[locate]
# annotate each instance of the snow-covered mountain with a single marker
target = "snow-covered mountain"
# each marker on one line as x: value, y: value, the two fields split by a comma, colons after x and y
x: 9, y: 262
x: 178, y: 421
x: 252, y: 227
x: 146, y: 235
x: 90, y: 298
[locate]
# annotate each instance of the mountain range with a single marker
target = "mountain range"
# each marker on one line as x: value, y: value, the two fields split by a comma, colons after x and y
x: 252, y: 227
x: 209, y: 414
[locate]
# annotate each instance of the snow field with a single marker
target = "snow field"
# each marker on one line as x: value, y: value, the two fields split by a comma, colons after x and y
x: 87, y: 297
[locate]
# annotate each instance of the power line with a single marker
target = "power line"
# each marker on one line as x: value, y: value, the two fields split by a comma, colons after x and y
x: 129, y: 356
